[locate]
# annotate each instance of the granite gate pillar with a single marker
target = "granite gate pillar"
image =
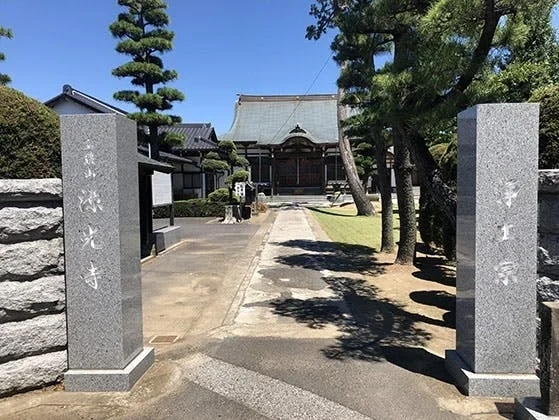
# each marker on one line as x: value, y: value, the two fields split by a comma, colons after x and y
x: 102, y: 251
x: 496, y: 250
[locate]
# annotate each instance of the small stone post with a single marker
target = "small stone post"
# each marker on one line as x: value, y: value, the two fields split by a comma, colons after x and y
x: 102, y: 249
x: 496, y: 248
x: 549, y: 363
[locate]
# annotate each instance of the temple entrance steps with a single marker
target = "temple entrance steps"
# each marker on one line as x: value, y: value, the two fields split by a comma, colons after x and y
x: 307, y: 200
x: 306, y: 191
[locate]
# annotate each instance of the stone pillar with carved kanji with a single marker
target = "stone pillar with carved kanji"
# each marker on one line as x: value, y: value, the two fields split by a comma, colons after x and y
x: 497, y: 214
x: 102, y: 253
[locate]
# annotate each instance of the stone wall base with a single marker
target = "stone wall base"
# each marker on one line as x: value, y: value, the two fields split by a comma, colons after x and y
x: 31, y: 372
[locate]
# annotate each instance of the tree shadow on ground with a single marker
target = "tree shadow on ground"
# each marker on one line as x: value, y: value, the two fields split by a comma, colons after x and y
x: 333, y: 256
x: 373, y: 328
x: 428, y: 250
x: 505, y: 409
x: 418, y: 360
x: 440, y: 299
x: 318, y: 210
x: 435, y: 269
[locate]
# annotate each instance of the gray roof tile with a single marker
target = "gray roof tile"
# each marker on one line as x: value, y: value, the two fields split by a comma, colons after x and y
x: 197, y: 136
x: 270, y: 119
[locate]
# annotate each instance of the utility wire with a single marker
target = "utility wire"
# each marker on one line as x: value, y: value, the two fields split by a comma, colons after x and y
x: 305, y: 94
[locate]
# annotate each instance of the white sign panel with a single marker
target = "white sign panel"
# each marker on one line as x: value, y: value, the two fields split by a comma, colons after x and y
x: 161, y: 189
x: 240, y: 189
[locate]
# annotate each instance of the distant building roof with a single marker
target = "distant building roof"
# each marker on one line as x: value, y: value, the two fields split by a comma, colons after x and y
x: 165, y: 156
x: 270, y: 120
x: 96, y: 105
x: 154, y: 165
x: 197, y: 136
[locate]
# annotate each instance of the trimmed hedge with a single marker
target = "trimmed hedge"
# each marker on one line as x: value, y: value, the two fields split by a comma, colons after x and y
x: 221, y: 195
x: 197, y: 207
x: 29, y: 137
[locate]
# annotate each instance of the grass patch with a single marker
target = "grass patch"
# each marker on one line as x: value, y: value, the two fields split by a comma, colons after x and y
x: 343, y: 226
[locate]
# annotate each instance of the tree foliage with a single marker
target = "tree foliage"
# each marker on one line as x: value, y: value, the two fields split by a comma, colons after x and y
x: 143, y: 34
x: 4, y: 33
x: 30, y: 133
x: 447, y: 55
x: 227, y: 160
x: 549, y: 126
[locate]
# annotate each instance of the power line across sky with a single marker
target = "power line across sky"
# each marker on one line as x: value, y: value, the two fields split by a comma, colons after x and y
x: 221, y: 48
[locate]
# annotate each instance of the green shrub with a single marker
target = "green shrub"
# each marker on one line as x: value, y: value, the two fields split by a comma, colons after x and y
x: 434, y: 227
x: 549, y: 126
x: 197, y: 207
x: 239, y: 175
x: 221, y: 195
x: 29, y: 137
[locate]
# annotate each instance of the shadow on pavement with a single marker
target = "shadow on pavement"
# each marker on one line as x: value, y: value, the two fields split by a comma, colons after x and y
x: 505, y: 409
x: 376, y: 328
x: 333, y: 256
x: 418, y: 360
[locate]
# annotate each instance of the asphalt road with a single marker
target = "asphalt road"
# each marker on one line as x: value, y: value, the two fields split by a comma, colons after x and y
x: 268, y: 319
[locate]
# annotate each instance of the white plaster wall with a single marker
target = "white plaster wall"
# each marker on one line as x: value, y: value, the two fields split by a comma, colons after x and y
x: 70, y: 108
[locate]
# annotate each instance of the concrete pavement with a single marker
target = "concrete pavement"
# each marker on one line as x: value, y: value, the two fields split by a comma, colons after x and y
x: 269, y: 319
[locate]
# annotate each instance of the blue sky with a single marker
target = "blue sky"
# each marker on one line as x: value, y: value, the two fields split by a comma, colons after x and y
x: 221, y: 48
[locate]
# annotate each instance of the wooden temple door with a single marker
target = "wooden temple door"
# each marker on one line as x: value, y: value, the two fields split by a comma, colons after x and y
x: 286, y: 175
x: 298, y: 174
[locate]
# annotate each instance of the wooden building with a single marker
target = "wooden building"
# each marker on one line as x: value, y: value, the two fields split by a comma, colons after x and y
x: 189, y: 181
x: 290, y: 141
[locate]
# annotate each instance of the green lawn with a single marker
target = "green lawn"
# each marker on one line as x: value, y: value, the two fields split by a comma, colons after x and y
x: 343, y: 226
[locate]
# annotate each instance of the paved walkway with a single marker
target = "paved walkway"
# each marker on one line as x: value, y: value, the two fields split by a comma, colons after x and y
x: 268, y: 319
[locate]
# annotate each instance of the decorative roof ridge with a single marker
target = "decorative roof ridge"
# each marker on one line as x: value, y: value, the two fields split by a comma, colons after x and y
x: 306, y: 134
x: 287, y: 98
x: 68, y: 90
x: 205, y: 140
x: 193, y: 125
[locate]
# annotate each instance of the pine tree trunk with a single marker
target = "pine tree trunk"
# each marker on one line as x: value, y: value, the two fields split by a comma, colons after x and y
x: 387, y: 219
x: 431, y: 176
x: 402, y: 161
x: 154, y: 142
x: 362, y: 202
x: 406, y: 205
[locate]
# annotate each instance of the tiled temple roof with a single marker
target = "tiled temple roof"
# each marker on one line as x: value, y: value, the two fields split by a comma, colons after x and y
x: 270, y: 120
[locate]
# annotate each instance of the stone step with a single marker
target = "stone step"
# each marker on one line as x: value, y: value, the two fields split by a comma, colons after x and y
x: 310, y: 200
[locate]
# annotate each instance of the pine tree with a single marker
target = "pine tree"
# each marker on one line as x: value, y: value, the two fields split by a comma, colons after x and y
x: 4, y: 33
x: 227, y: 160
x: 144, y: 36
x: 443, y: 53
x: 362, y: 202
